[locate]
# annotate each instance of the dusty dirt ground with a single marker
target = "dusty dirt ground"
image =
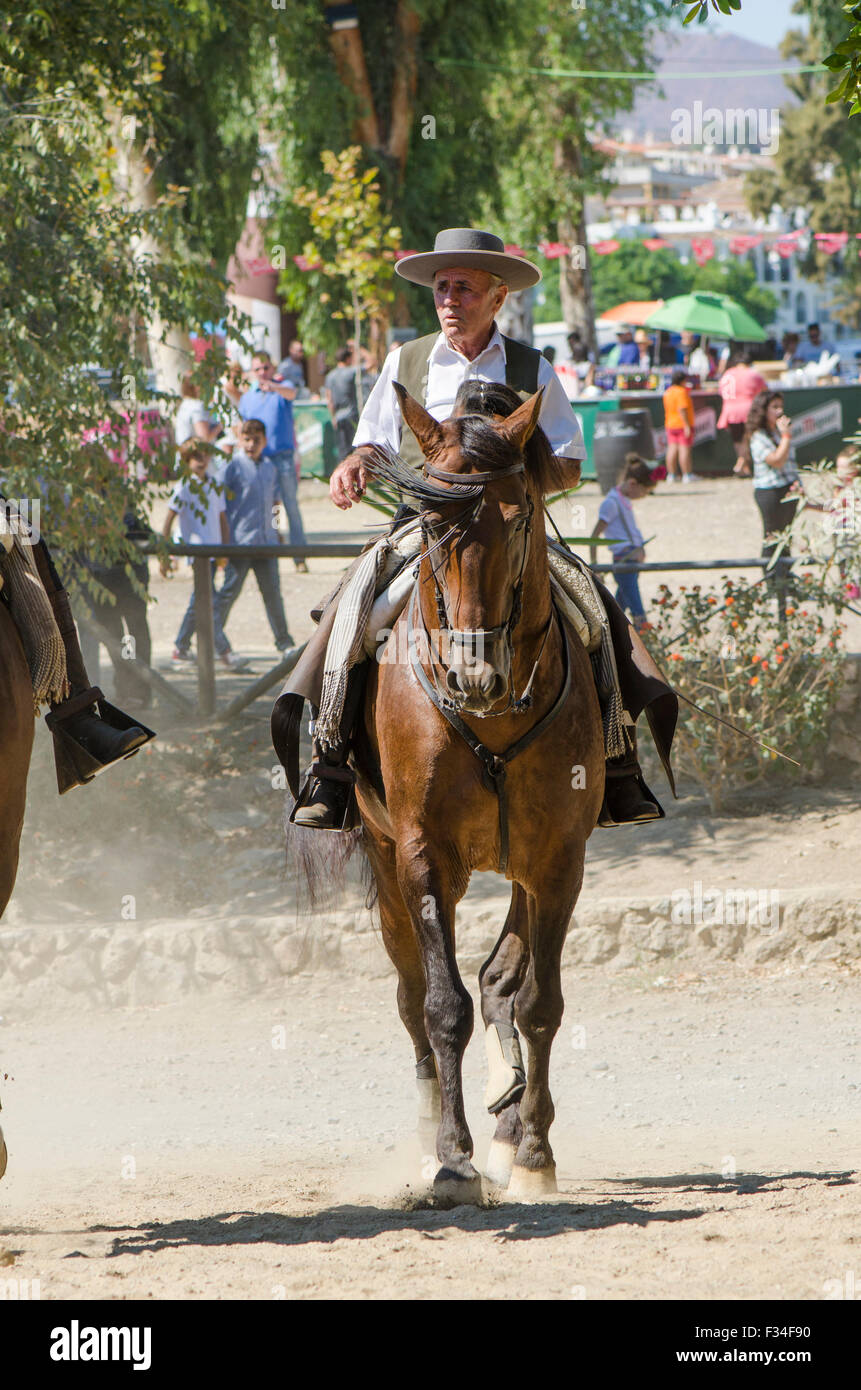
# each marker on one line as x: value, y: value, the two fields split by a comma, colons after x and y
x: 708, y: 1132
x: 707, y: 1143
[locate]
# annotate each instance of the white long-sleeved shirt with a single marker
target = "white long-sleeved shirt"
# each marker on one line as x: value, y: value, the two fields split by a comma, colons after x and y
x: 381, y: 423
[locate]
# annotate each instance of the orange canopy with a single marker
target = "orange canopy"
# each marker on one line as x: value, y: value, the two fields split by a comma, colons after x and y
x: 633, y: 311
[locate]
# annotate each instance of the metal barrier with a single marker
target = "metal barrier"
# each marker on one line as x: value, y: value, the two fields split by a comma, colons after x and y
x: 201, y: 555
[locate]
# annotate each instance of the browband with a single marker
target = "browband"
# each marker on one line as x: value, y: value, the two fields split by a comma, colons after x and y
x: 471, y: 479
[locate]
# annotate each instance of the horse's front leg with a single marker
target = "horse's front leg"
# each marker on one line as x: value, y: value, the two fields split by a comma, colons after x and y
x: 538, y: 1009
x: 402, y: 945
x: 429, y: 887
x: 499, y: 979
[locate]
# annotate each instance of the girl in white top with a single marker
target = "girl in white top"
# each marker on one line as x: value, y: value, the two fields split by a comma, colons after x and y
x: 776, y: 485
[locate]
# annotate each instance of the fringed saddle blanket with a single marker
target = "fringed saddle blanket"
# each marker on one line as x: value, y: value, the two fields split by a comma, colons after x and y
x: 378, y: 592
x: 30, y: 609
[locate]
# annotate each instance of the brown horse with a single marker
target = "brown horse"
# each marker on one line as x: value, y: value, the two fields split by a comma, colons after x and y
x: 17, y: 722
x: 450, y: 781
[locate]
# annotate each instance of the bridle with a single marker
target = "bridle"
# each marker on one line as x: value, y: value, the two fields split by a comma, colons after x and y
x: 474, y: 638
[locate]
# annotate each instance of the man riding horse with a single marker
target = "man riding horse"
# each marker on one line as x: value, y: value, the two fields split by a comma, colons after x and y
x: 471, y: 275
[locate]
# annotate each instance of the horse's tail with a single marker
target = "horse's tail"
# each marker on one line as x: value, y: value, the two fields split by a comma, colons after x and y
x: 320, y: 860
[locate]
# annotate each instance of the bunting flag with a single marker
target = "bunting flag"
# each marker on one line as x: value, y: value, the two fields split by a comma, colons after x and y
x: 703, y: 248
x: 740, y: 245
x: 552, y: 250
x: 785, y: 244
x: 830, y: 242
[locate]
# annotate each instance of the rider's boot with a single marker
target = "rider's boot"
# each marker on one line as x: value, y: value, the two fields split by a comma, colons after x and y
x: 89, y: 734
x: 627, y: 799
x: 328, y: 799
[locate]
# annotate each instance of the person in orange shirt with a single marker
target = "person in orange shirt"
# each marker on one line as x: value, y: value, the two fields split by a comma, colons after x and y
x: 679, y: 421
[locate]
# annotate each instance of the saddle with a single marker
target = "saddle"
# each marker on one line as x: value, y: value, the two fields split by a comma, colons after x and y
x: 378, y: 591
x: 31, y: 612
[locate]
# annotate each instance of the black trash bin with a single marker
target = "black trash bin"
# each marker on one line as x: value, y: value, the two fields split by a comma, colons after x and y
x: 617, y: 433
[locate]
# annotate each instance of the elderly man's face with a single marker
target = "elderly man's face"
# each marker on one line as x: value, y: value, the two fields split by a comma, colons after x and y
x: 466, y: 300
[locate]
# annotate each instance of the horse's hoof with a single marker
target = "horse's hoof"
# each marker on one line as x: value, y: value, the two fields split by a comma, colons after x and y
x: 500, y: 1161
x: 528, y: 1183
x: 3, y: 1154
x: 453, y: 1189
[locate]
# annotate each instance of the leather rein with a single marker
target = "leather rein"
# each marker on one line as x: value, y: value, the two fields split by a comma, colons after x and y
x: 494, y: 765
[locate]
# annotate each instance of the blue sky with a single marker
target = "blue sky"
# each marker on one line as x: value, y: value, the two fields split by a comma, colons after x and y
x: 764, y: 21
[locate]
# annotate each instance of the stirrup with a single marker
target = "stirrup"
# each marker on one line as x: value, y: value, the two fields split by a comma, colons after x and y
x: 331, y: 773
x: 77, y: 765
x: 607, y: 821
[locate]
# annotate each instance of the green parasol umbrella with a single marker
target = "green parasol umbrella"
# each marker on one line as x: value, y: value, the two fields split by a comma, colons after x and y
x: 714, y: 315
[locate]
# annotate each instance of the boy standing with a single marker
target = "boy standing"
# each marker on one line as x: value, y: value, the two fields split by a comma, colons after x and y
x: 250, y: 481
x: 200, y: 509
x: 616, y: 521
x: 269, y: 401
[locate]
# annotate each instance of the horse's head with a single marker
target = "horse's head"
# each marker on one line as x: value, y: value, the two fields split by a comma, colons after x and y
x: 477, y: 531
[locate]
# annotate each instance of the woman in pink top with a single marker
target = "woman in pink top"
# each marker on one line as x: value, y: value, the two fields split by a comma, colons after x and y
x: 738, y: 387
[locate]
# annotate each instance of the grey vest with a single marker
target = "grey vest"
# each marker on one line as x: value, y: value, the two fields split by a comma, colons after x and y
x: 521, y: 373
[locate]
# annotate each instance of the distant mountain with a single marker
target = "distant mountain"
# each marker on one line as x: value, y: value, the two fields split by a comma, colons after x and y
x: 690, y: 51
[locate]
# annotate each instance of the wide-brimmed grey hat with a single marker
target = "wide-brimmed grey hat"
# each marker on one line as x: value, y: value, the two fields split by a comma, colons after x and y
x: 468, y: 246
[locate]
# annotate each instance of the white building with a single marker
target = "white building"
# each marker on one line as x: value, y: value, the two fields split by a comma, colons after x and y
x: 682, y: 194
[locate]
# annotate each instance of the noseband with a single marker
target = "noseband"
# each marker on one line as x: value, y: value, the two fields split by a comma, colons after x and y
x: 464, y: 638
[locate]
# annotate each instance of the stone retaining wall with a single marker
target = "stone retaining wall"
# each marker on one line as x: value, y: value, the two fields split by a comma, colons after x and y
x: 44, y: 967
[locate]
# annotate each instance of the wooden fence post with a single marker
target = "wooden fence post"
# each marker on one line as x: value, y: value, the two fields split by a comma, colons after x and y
x: 204, y: 627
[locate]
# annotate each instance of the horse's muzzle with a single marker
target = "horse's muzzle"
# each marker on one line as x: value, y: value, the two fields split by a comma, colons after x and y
x: 478, y: 668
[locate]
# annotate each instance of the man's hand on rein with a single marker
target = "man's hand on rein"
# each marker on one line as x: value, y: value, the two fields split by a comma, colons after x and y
x: 348, y: 481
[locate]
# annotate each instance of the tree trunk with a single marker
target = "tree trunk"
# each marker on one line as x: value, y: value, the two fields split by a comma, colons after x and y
x: 575, y: 273
x: 407, y: 29
x: 170, y: 350
x: 349, y: 52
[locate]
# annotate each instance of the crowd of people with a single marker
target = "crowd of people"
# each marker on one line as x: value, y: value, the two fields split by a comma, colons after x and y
x: 233, y: 477
x: 766, y: 450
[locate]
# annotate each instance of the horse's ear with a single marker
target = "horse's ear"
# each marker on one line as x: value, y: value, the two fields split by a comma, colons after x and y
x: 426, y: 429
x: 518, y: 426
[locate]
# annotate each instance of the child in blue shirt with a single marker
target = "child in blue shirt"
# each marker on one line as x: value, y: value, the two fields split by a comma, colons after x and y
x: 616, y: 521
x: 250, y: 481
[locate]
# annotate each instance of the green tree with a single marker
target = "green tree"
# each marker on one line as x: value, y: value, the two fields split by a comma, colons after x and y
x: 88, y: 274
x: 393, y: 86
x: 544, y: 124
x: 816, y: 167
x: 633, y: 272
x: 352, y: 246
